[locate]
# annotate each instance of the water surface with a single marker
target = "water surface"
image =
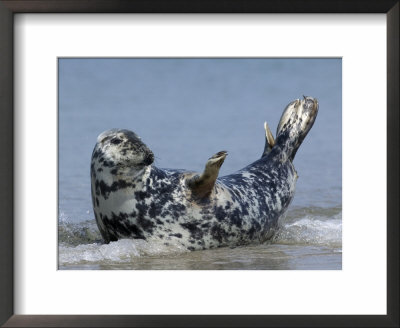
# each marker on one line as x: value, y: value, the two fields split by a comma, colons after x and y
x: 186, y: 110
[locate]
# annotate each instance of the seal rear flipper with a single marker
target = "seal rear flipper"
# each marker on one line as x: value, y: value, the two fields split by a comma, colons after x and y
x: 296, y: 121
x: 269, y: 140
x: 202, y: 185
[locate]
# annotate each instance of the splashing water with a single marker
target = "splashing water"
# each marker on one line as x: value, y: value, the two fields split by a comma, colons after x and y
x: 311, y: 226
x: 313, y: 234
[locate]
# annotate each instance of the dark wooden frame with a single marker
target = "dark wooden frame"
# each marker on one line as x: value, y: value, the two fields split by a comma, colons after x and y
x: 7, y: 10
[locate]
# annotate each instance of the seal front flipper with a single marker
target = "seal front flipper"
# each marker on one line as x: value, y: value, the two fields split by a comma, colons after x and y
x: 269, y: 140
x: 202, y: 185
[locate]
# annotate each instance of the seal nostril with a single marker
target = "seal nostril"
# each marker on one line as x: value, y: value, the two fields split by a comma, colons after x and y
x: 149, y: 159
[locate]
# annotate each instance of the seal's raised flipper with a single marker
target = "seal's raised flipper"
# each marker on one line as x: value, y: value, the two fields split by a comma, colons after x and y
x: 296, y: 120
x: 202, y: 185
x: 269, y: 140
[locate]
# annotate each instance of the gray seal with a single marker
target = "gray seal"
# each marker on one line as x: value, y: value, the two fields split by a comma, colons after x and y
x: 132, y: 198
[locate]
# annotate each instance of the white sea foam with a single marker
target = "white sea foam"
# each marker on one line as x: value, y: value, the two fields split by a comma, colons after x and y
x: 81, y: 243
x: 311, y: 230
x: 121, y: 251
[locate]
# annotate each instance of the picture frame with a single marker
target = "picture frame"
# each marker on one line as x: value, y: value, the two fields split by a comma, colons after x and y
x: 8, y: 8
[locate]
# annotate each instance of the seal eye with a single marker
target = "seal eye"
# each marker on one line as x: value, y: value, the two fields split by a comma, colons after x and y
x: 116, y: 141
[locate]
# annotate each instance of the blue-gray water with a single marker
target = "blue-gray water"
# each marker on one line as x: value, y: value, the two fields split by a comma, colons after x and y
x: 185, y: 110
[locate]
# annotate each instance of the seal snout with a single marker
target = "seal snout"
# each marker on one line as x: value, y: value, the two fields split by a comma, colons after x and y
x: 149, y: 159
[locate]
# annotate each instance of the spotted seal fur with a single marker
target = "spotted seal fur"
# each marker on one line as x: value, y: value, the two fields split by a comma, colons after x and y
x: 132, y: 198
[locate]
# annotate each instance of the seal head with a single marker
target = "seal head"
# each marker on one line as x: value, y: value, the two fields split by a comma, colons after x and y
x: 123, y: 149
